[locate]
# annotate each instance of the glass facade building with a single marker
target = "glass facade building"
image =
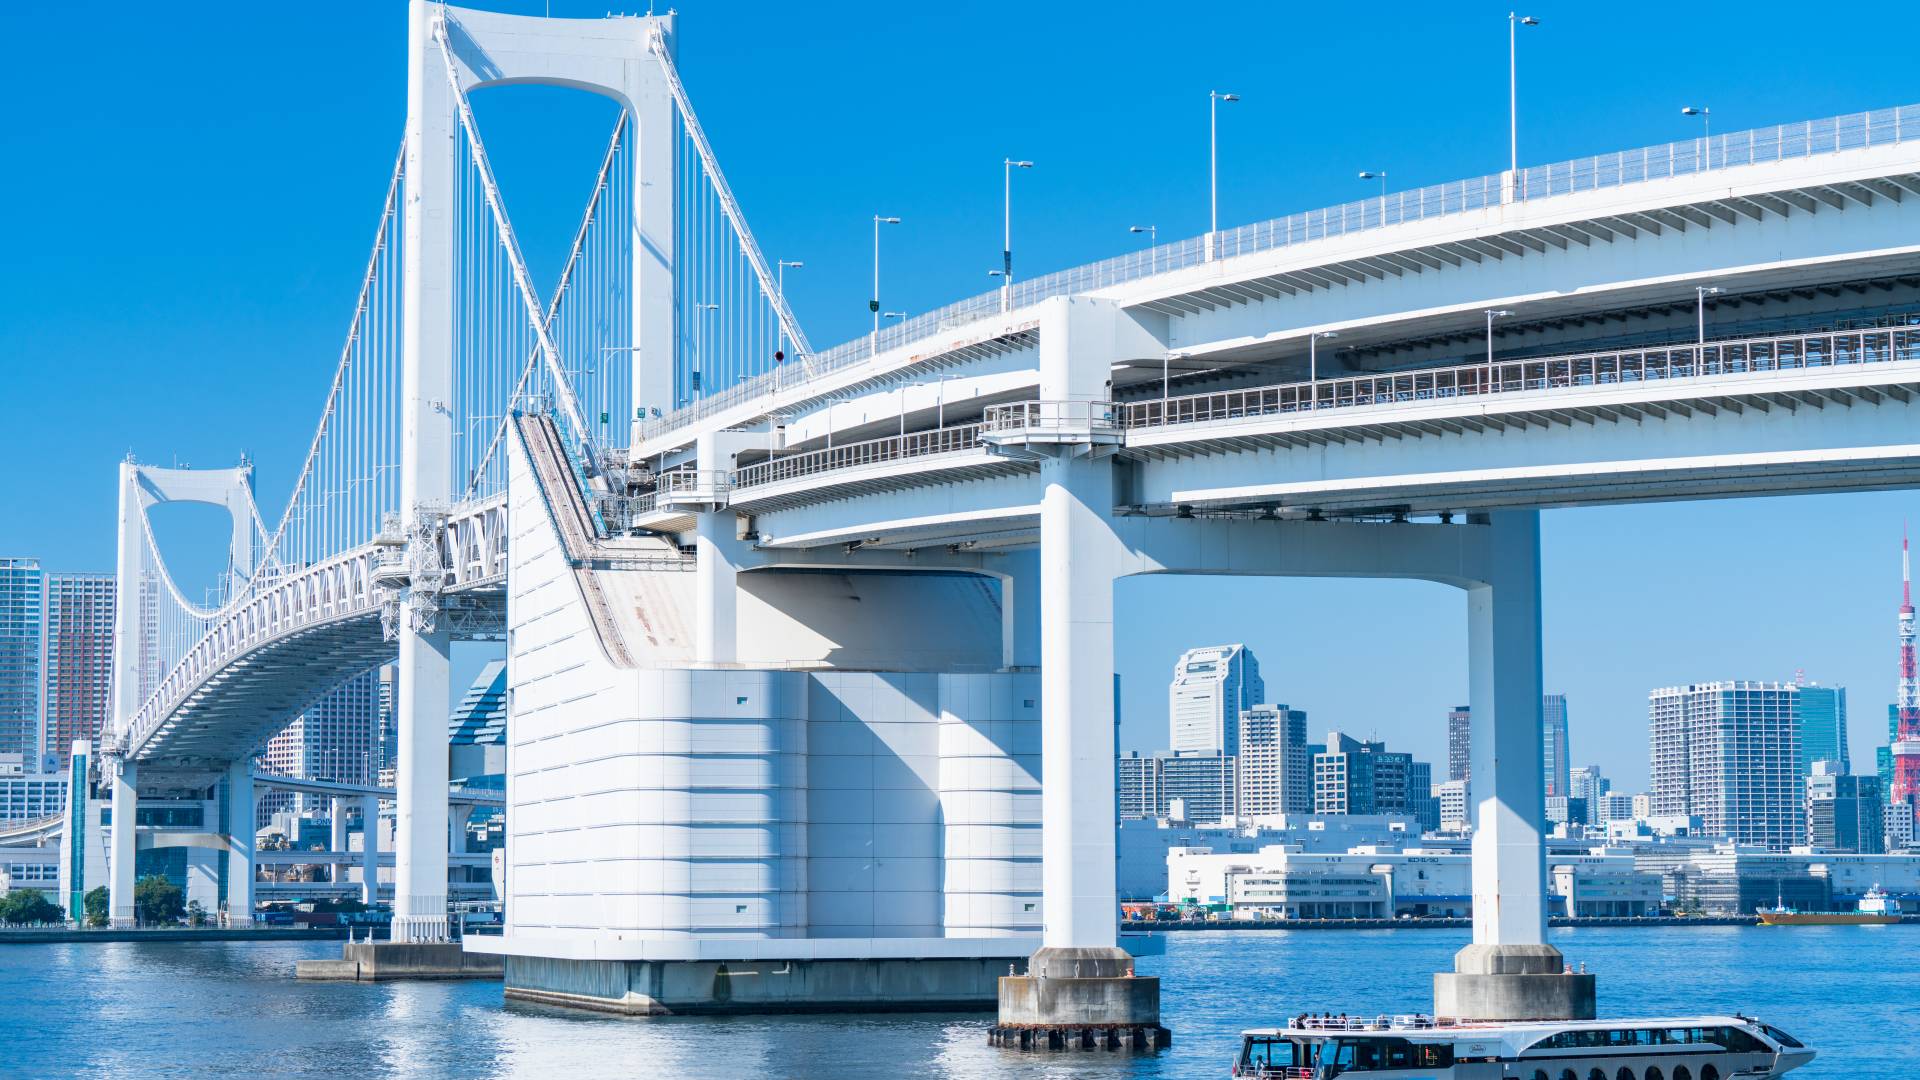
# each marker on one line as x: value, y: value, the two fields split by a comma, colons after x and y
x: 1211, y: 687
x: 22, y: 611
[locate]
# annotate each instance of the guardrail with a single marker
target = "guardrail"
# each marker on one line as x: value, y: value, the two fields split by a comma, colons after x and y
x: 1684, y: 157
x: 948, y: 440
x: 1775, y: 353
x: 1052, y: 416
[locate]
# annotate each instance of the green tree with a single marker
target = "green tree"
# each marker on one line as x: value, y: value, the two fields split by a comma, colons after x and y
x: 157, y: 901
x: 95, y: 903
x: 196, y: 913
x: 28, y: 906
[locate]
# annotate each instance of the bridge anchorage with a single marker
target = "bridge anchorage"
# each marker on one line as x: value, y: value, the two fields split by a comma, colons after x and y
x: 811, y: 662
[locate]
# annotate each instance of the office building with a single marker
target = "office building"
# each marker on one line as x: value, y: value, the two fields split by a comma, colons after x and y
x: 477, y: 728
x: 1844, y: 812
x: 79, y: 661
x: 1198, y: 787
x: 1138, y: 784
x: 1460, y: 743
x: 1355, y: 777
x: 1823, y: 727
x: 1422, y: 803
x: 22, y: 607
x: 1613, y: 806
x: 1275, y: 774
x: 1588, y: 785
x: 1553, y: 743
x: 332, y: 740
x: 1454, y: 811
x: 27, y: 793
x: 1211, y: 687
x: 1729, y: 753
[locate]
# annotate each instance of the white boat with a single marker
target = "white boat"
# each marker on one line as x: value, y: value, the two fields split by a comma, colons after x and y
x: 1877, y: 902
x: 1422, y: 1048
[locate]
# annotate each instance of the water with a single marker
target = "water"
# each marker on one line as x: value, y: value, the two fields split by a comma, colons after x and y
x: 213, y: 1009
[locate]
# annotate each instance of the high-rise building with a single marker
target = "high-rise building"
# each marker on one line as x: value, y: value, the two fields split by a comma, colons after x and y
x: 332, y: 740
x: 1844, y: 811
x: 1729, y: 753
x: 1460, y: 743
x: 22, y: 608
x: 1823, y: 726
x: 1422, y: 803
x: 1612, y: 806
x: 1211, y: 687
x: 477, y: 728
x: 79, y: 660
x: 1201, y: 783
x: 1355, y: 777
x: 1587, y: 784
x: 1276, y: 776
x: 1138, y: 781
x: 1553, y: 743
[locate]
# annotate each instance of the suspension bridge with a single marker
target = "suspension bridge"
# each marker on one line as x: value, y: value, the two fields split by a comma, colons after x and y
x: 810, y: 652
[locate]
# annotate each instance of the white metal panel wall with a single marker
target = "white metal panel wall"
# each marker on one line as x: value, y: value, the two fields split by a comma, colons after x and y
x: 990, y: 803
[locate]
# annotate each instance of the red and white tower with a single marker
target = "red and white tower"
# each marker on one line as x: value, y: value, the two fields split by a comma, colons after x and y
x: 1905, y: 795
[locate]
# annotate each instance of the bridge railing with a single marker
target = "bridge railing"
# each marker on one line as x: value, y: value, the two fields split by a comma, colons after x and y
x: 1728, y: 357
x: 947, y: 440
x: 1810, y: 138
x: 1044, y: 416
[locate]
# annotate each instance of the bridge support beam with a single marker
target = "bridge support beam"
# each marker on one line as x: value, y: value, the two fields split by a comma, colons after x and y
x: 716, y: 580
x: 240, y: 829
x: 121, y: 844
x: 1509, y: 972
x: 1080, y: 978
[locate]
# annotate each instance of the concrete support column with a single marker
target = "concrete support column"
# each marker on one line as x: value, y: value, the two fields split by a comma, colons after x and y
x: 1509, y: 972
x: 654, y: 143
x: 1077, y: 565
x: 716, y: 583
x: 121, y: 844
x: 370, y: 850
x: 1020, y: 609
x: 1505, y: 687
x: 240, y: 829
x: 337, y: 826
x: 420, y: 790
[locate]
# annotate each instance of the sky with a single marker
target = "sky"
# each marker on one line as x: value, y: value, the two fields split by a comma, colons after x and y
x: 189, y: 193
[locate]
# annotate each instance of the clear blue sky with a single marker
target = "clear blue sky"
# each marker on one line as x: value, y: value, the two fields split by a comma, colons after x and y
x: 189, y: 193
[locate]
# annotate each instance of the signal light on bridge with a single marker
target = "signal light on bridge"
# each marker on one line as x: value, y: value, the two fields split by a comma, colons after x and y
x: 779, y: 356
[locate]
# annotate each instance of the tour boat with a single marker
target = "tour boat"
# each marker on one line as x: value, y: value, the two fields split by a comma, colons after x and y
x: 1422, y: 1048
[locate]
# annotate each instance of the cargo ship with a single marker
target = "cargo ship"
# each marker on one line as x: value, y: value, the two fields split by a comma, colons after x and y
x: 1876, y: 908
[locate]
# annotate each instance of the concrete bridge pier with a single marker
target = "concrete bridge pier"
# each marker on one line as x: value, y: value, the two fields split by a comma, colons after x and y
x: 240, y: 828
x: 121, y: 843
x: 1509, y: 972
x: 1080, y: 980
x: 370, y: 851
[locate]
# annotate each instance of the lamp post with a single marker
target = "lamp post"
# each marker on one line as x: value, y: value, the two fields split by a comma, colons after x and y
x: 1381, y: 176
x: 1153, y: 245
x: 873, y: 304
x: 780, y: 352
x: 1006, y: 230
x: 1700, y: 294
x: 700, y: 311
x: 1214, y: 98
x: 1514, y: 23
x: 1706, y: 131
x: 940, y: 400
x: 1492, y: 314
x: 1313, y: 352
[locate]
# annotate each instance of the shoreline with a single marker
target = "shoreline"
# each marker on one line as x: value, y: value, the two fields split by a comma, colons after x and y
x: 1440, y: 923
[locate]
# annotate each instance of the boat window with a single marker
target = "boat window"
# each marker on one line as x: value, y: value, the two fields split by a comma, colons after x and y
x: 1781, y: 1037
x: 1708, y: 1072
x: 1541, y: 1074
x: 1568, y: 1074
x: 1270, y: 1053
x: 1654, y: 1073
x: 1624, y: 1074
x: 1740, y: 1041
x: 1681, y: 1072
x: 1596, y: 1074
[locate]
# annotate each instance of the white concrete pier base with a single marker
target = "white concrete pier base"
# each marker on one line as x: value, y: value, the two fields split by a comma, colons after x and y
x: 370, y: 851
x: 1509, y: 972
x: 420, y: 786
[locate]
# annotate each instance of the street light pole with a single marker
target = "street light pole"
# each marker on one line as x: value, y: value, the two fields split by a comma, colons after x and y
x: 781, y: 288
x: 1701, y: 292
x: 1382, y: 177
x: 1492, y: 314
x: 1006, y: 231
x: 1706, y: 120
x: 1153, y: 245
x: 1214, y: 98
x: 1313, y: 353
x: 873, y: 303
x: 699, y: 361
x: 1514, y: 23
